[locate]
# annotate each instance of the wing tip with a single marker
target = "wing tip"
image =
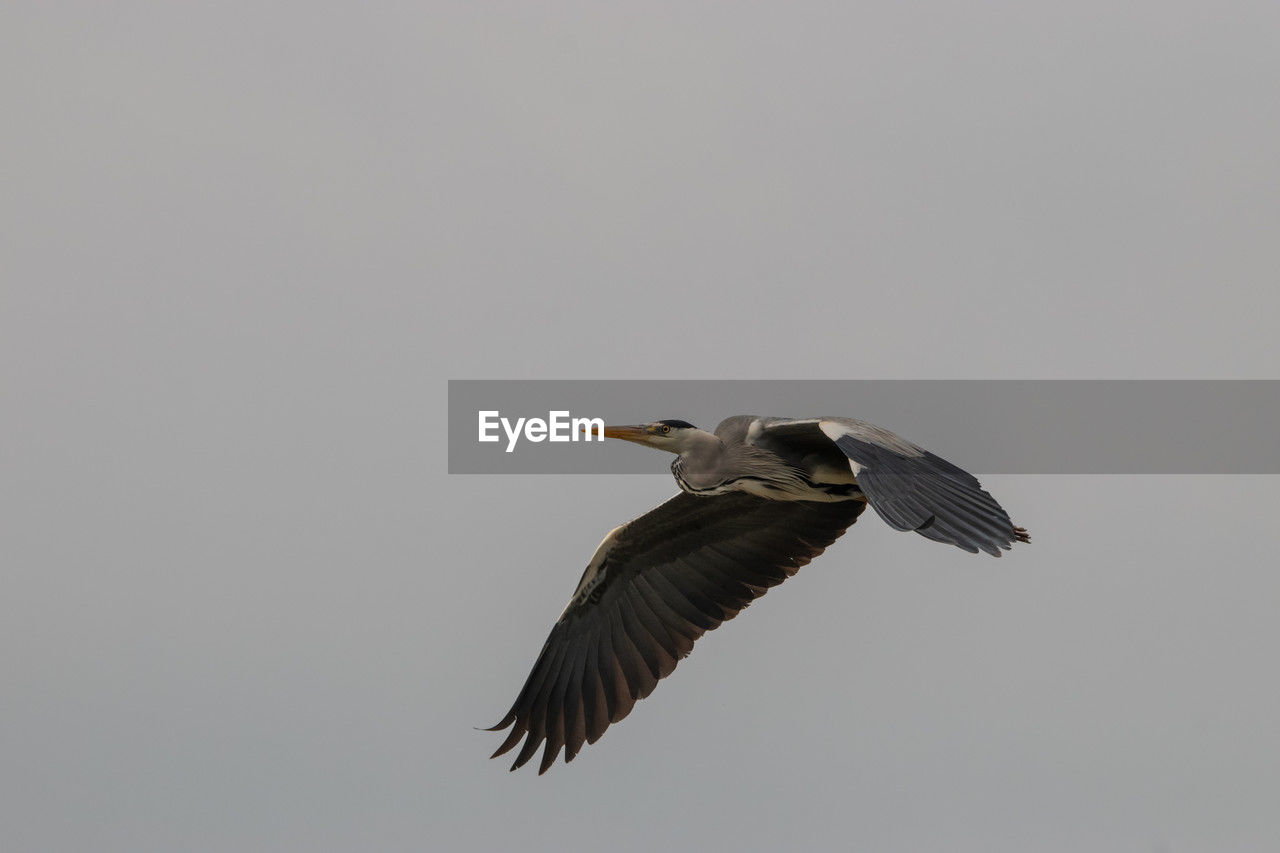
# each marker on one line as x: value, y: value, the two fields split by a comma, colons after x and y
x: 549, y: 757
x: 508, y: 744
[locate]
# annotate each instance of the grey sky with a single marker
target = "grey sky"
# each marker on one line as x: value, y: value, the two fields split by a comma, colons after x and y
x: 242, y: 249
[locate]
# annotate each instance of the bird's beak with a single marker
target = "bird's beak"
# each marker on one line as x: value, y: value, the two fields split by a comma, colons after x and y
x: 638, y: 434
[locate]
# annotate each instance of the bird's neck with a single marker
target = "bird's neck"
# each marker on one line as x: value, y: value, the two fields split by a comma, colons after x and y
x: 699, y: 465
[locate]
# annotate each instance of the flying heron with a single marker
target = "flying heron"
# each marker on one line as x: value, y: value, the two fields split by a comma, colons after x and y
x: 758, y: 499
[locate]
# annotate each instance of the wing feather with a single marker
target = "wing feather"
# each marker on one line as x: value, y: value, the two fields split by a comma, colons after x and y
x: 595, y: 700
x: 667, y: 578
x: 575, y: 699
x: 909, y: 487
x: 929, y: 495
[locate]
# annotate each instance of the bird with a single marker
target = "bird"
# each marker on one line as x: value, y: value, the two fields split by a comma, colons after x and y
x: 759, y: 498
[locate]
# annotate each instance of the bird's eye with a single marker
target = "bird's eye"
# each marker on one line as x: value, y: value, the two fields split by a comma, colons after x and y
x: 666, y: 429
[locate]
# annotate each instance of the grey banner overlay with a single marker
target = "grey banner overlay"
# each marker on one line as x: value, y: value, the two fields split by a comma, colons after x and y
x: 985, y: 426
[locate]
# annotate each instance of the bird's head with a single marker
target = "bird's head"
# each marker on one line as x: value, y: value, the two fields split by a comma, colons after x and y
x: 671, y: 436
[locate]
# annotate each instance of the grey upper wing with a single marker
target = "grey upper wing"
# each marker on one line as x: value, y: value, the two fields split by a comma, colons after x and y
x: 909, y: 487
x: 655, y: 586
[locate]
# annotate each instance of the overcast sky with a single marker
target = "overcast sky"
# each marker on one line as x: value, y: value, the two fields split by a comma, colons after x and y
x: 242, y: 248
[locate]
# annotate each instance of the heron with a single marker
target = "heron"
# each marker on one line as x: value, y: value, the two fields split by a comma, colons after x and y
x: 759, y: 498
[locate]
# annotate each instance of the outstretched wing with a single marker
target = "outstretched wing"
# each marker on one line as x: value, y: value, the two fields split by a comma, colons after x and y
x: 654, y: 586
x: 907, y: 486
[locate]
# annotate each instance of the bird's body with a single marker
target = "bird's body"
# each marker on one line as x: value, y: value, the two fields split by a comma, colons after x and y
x: 759, y: 498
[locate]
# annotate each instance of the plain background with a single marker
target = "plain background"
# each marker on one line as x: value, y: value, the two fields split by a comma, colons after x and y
x: 243, y: 606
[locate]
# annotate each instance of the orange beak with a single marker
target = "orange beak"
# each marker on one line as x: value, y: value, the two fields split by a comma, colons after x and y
x: 638, y: 434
